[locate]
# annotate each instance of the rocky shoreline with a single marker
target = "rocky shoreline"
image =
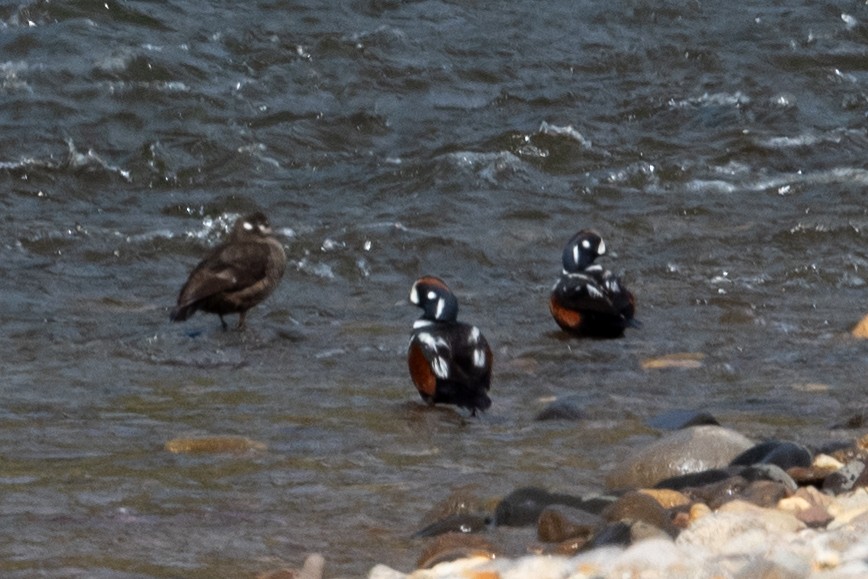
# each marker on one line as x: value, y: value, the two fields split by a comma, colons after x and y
x: 702, y: 501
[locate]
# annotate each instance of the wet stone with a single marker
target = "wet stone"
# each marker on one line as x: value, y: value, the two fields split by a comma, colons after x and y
x: 613, y: 534
x: 764, y: 493
x: 461, y: 501
x: 636, y: 506
x: 784, y: 454
x: 693, y: 449
x: 718, y: 493
x: 852, y: 475
x: 678, y: 419
x: 667, y: 498
x: 214, y: 445
x: 566, y: 408
x: 769, y: 472
x: 853, y: 421
x: 559, y: 523
x: 861, y: 329
x: 523, y: 507
x: 460, y: 523
x: 694, y: 479
x: 815, y: 517
x: 570, y: 546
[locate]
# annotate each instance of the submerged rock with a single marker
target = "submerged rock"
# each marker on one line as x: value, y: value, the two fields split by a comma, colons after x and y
x: 566, y: 408
x: 694, y: 449
x: 678, y: 419
x: 214, y: 444
x: 684, y: 360
x: 861, y: 329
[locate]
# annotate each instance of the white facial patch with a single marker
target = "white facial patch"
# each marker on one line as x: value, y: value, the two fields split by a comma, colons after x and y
x: 414, y: 295
x: 586, y: 243
x: 602, y: 249
x: 441, y: 303
x: 576, y: 252
x: 474, y: 336
x: 432, y: 294
x: 248, y: 226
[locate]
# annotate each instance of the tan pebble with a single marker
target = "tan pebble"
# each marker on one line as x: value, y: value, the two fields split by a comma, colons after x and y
x: 213, y: 444
x: 686, y: 360
x: 483, y: 575
x: 698, y: 511
x: 453, y: 546
x: 843, y: 518
x: 824, y: 462
x: 814, y: 496
x: 851, y: 504
x: 666, y: 497
x: 811, y: 387
x: 861, y: 329
x: 793, y: 504
x: 772, y: 520
x: 826, y: 560
x: 863, y: 442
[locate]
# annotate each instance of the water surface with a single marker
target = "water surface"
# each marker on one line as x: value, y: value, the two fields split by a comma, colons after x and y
x: 719, y: 149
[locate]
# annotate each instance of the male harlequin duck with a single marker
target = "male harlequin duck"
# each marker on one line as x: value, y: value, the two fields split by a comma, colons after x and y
x: 588, y: 300
x: 236, y: 275
x: 450, y: 362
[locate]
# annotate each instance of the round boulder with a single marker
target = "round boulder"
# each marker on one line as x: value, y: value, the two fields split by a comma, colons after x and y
x: 693, y: 449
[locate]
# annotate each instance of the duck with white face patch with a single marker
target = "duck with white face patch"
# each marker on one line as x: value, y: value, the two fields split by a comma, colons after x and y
x: 449, y: 361
x: 589, y: 300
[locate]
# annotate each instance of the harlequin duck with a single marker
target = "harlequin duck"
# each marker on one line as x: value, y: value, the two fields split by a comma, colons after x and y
x: 236, y: 275
x: 449, y: 361
x: 588, y: 300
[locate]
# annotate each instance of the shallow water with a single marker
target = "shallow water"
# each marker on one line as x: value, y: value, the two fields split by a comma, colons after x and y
x: 720, y: 151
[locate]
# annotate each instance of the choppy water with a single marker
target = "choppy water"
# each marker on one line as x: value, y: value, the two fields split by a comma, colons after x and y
x: 719, y: 147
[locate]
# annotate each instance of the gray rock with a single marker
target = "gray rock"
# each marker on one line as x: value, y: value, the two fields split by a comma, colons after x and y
x: 693, y: 449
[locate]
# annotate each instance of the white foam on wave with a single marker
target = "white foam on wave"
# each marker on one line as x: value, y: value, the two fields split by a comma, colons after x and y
x: 488, y: 166
x: 735, y: 99
x: 90, y: 159
x: 568, y: 131
x: 812, y: 138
